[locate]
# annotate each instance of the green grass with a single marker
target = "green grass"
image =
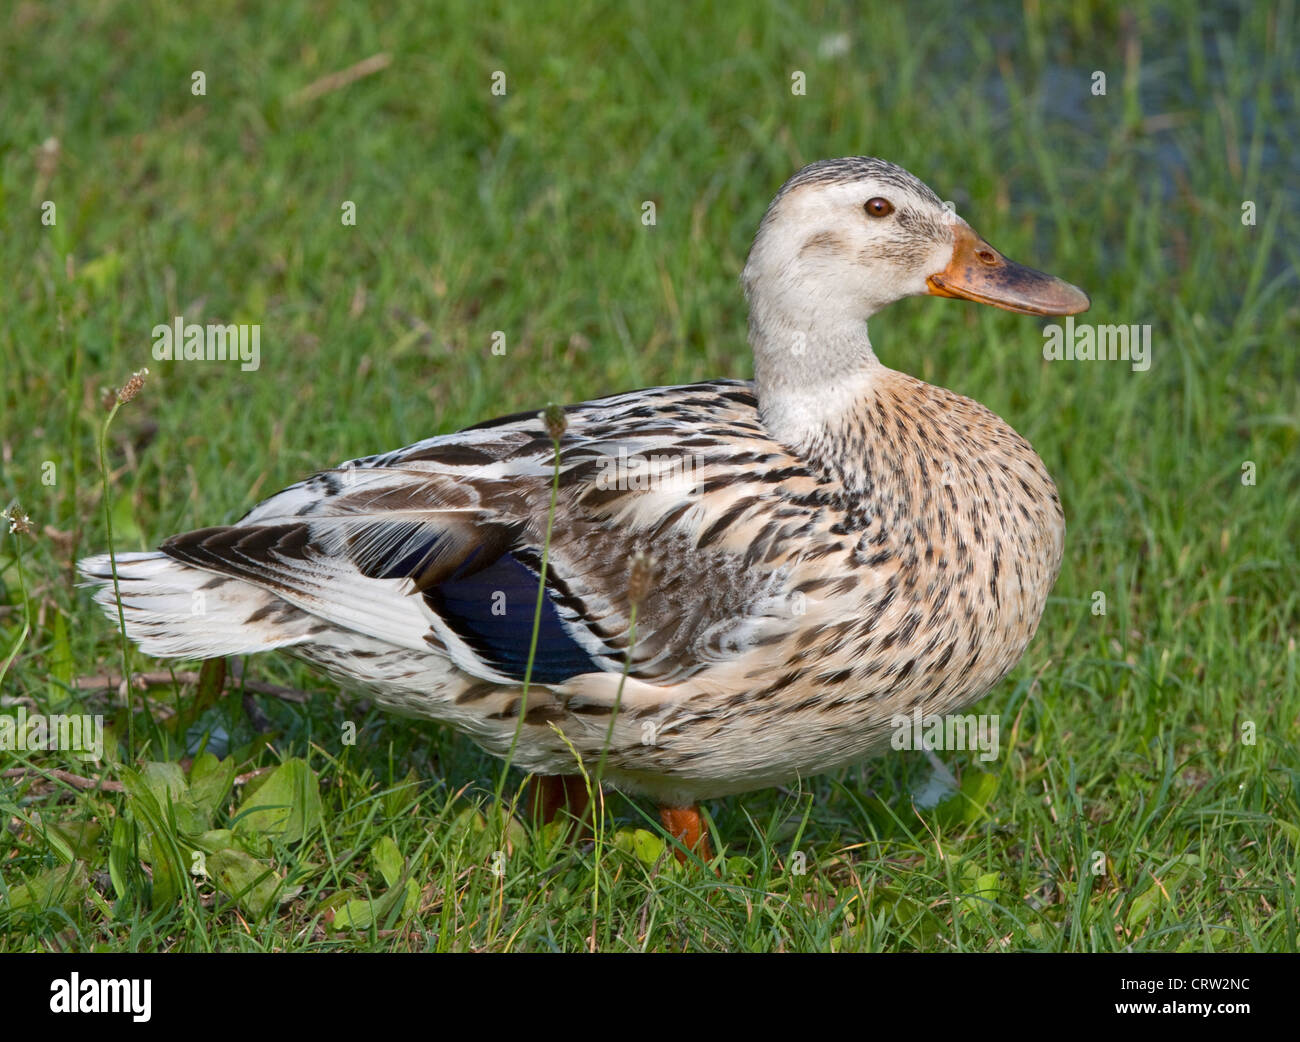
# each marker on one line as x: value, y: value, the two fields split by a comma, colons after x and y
x: 1122, y: 733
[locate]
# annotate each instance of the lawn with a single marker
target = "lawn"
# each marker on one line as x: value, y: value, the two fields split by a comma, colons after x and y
x: 482, y: 180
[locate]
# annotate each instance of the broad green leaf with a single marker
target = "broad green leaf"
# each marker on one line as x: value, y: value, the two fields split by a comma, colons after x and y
x: 112, y: 748
x: 356, y: 913
x: 388, y: 859
x: 158, y: 791
x: 253, y: 885
x: 121, y: 857
x: 142, y: 804
x: 214, y: 839
x: 350, y: 914
x: 62, y: 887
x: 648, y: 847
x: 286, y: 805
x: 919, y: 924
x: 412, y: 903
x: 1142, y: 906
x: 167, y: 872
x: 968, y: 804
x: 165, y: 780
x: 210, y: 782
x: 81, y: 837
x: 155, y: 793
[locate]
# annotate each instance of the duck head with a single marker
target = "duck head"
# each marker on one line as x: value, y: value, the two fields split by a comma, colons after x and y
x: 843, y: 239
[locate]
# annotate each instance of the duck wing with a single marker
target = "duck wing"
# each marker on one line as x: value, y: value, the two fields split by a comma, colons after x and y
x: 439, y: 546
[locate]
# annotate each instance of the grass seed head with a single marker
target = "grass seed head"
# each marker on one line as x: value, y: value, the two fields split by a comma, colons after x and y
x: 18, y: 520
x: 640, y: 577
x: 132, y: 387
x: 557, y: 422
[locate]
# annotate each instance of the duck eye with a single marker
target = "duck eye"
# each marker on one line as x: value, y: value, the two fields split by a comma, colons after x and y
x: 878, y: 207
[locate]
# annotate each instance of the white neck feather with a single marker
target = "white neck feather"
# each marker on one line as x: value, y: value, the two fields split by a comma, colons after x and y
x: 808, y: 373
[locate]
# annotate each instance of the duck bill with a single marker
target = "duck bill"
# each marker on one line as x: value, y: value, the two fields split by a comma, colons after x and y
x: 979, y: 272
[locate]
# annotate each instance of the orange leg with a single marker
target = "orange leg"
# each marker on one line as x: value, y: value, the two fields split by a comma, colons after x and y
x: 552, y: 793
x: 684, y: 823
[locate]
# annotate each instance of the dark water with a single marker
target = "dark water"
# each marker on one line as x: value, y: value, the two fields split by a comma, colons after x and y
x: 1211, y: 107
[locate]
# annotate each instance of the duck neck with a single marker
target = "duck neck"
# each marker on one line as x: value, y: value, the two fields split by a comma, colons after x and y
x: 808, y: 376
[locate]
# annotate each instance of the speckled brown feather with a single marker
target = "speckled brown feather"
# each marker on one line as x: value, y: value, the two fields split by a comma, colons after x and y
x: 812, y: 577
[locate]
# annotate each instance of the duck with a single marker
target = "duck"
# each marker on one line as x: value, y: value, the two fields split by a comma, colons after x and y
x: 704, y: 589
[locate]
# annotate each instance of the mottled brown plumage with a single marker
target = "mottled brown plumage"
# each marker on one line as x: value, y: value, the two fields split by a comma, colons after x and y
x: 823, y: 548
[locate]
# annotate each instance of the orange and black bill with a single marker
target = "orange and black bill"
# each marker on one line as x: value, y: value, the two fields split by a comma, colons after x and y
x: 978, y: 272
